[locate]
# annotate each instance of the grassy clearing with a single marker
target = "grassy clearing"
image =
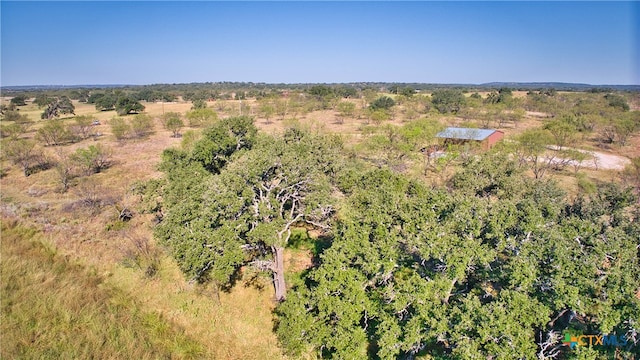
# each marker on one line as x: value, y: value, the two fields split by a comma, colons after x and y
x: 53, y: 307
x: 236, y: 324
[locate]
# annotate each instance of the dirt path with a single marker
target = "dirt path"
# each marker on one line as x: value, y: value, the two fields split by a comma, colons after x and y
x: 608, y: 161
x: 599, y: 160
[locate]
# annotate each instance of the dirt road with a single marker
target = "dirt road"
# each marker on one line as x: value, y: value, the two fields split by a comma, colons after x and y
x: 599, y: 160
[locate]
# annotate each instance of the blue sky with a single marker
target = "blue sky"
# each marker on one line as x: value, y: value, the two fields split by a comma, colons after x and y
x: 71, y: 43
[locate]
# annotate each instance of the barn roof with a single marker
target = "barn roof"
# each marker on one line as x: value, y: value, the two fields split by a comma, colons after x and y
x: 465, y: 133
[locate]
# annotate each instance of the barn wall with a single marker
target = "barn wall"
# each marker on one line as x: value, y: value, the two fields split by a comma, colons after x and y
x: 493, y: 139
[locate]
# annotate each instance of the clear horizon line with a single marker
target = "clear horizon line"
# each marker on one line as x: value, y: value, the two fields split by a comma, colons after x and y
x: 320, y: 83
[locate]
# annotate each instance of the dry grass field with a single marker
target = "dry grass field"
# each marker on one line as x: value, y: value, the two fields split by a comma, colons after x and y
x: 237, y: 327
x: 183, y: 320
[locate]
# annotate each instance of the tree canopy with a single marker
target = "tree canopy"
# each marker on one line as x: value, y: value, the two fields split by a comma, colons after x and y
x: 251, y: 190
x: 128, y: 105
x: 448, y: 100
x: 57, y: 107
x: 118, y: 100
x: 495, y: 265
x: 173, y: 122
x: 414, y: 271
x: 383, y: 102
x: 19, y: 100
x: 103, y: 101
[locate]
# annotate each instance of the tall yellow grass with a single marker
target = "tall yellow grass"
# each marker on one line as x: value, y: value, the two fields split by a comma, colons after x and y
x: 55, y: 308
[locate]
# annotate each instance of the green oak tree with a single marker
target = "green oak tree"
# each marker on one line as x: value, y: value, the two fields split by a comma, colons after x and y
x: 103, y: 101
x: 448, y: 100
x: 42, y: 100
x: 383, y: 102
x: 19, y: 100
x: 248, y: 195
x: 281, y: 183
x: 128, y: 105
x: 57, y: 107
x: 222, y: 140
x: 198, y: 245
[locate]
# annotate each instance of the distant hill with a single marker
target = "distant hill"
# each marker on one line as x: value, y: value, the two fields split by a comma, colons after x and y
x: 559, y: 86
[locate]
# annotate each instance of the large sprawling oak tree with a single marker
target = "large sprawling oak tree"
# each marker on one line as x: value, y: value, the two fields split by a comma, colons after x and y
x: 233, y: 200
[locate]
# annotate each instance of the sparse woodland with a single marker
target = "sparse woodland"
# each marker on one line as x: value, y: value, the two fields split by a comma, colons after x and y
x: 319, y: 221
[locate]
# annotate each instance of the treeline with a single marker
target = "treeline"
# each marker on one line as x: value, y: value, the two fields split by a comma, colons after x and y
x: 231, y: 85
x: 225, y: 90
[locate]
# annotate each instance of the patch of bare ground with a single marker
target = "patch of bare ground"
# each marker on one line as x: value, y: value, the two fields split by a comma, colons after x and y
x: 76, y: 220
x: 298, y: 260
x: 634, y: 101
x: 597, y: 160
x: 515, y: 94
x: 606, y: 161
x: 632, y: 149
x: 537, y: 114
x: 324, y: 121
x: 157, y: 109
x: 139, y: 158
